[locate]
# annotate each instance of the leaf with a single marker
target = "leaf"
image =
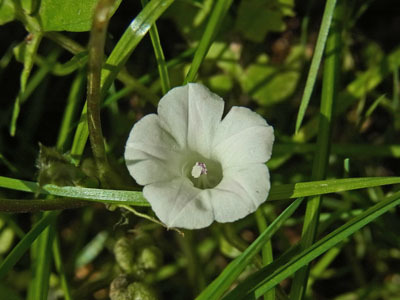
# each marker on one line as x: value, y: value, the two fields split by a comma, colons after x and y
x: 269, y: 84
x: 7, y: 11
x: 258, y: 17
x: 71, y: 15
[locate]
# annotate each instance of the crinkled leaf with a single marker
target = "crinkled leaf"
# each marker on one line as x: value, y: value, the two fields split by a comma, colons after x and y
x: 258, y: 17
x: 7, y: 11
x: 71, y: 15
x: 269, y: 84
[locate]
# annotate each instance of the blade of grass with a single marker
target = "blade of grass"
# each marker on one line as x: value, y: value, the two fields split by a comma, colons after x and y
x: 159, y: 55
x: 212, y: 28
x: 328, y: 99
x: 43, y: 261
x: 267, y: 254
x: 347, y: 150
x: 30, y: 48
x: 280, y: 192
x: 218, y: 287
x: 263, y: 280
x: 316, y: 60
x: 60, y: 268
x: 75, y: 94
x: 14, y: 256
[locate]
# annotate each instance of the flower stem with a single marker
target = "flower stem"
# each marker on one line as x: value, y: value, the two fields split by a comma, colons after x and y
x: 147, y: 217
x: 96, y: 49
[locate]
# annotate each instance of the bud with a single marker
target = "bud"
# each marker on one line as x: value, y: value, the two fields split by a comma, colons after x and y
x: 124, y: 254
x: 120, y: 289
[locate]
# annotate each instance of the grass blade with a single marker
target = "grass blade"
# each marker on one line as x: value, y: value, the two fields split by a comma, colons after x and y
x: 159, y: 55
x: 212, y: 28
x: 263, y: 280
x: 316, y: 60
x: 266, y: 251
x: 25, y: 243
x: 328, y: 99
x: 60, y: 268
x: 28, y: 50
x: 43, y: 262
x: 280, y: 192
x: 218, y: 287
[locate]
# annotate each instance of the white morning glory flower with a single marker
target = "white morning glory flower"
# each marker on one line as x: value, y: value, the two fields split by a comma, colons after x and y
x: 197, y: 167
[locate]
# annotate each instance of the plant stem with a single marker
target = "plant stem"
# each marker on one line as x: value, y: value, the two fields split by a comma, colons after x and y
x: 35, y: 205
x: 96, y: 49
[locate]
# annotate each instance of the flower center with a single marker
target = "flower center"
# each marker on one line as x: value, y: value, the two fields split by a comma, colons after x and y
x: 198, y: 169
x: 203, y: 173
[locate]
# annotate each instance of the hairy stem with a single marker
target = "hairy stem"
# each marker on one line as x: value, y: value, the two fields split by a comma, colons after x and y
x: 96, y: 49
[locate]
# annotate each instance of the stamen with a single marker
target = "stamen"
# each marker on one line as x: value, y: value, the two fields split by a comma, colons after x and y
x: 198, y: 169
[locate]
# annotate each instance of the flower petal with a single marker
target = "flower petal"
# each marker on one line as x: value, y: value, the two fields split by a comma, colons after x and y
x: 178, y: 203
x: 240, y: 192
x: 247, y: 133
x: 191, y: 114
x: 150, y: 152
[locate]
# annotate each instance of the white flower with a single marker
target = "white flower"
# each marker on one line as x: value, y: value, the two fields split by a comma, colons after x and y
x: 195, y: 167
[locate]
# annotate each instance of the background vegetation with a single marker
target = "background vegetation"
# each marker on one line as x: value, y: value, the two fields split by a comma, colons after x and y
x: 333, y: 101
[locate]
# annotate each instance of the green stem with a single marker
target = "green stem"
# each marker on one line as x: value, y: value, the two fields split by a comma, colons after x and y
x: 96, y: 49
x: 328, y: 97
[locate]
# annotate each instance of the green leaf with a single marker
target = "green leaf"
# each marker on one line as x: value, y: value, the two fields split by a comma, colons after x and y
x: 258, y: 17
x: 268, y: 277
x: 268, y: 83
x: 7, y: 11
x: 71, y: 15
x: 6, y: 239
x: 218, y: 287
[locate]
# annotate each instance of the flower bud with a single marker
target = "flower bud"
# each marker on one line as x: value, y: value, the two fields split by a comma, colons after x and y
x: 124, y: 254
